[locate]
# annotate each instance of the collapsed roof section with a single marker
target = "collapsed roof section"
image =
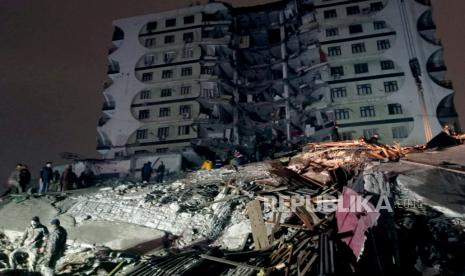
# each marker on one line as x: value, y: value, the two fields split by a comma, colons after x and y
x: 267, y: 87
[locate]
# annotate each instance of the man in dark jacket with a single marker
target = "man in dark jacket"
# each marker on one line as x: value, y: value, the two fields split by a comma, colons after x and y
x: 68, y: 179
x: 31, y: 242
x: 24, y: 178
x: 86, y: 179
x: 146, y: 171
x: 56, y: 246
x: 160, y: 172
x: 46, y: 176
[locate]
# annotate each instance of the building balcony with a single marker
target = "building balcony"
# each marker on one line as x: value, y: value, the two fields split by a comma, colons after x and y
x: 427, y: 29
x: 437, y: 69
x: 118, y: 37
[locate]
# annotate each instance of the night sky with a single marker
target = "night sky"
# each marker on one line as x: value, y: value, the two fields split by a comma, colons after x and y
x: 53, y: 58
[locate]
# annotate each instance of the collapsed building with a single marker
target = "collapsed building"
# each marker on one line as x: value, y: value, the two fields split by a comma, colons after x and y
x: 231, y: 78
x: 207, y: 79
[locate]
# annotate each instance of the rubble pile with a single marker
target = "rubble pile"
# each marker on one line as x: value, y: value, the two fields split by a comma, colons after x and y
x: 330, y: 210
x: 271, y: 231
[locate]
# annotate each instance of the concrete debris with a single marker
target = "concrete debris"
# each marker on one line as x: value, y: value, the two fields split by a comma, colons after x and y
x: 336, y: 208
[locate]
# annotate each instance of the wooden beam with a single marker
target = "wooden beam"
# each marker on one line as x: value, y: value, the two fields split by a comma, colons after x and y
x: 260, y: 236
x: 229, y: 262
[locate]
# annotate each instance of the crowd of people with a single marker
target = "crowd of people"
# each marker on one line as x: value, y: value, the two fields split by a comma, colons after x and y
x: 19, y: 180
x: 41, y: 246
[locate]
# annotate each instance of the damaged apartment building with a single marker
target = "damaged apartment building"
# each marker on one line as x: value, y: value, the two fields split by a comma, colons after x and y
x: 212, y: 78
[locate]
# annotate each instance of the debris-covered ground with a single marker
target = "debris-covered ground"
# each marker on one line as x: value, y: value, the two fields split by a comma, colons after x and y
x: 337, y: 208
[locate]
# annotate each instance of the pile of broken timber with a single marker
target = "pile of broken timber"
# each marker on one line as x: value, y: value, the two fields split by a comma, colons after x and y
x: 307, y: 242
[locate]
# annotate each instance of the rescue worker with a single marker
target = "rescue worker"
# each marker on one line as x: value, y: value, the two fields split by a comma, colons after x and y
x: 24, y: 178
x: 146, y: 172
x: 56, y: 246
x: 46, y: 175
x: 32, y: 243
x: 207, y: 165
x: 86, y: 179
x: 13, y: 180
x: 160, y: 172
x: 68, y: 179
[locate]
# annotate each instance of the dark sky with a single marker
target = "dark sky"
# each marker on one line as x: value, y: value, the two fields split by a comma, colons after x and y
x: 53, y: 64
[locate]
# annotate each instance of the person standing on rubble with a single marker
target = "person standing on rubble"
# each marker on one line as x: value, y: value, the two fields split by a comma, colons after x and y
x: 13, y: 180
x: 160, y: 172
x: 146, y: 172
x: 86, y: 179
x: 56, y: 246
x: 24, y: 178
x: 46, y: 175
x: 31, y: 242
x: 68, y: 179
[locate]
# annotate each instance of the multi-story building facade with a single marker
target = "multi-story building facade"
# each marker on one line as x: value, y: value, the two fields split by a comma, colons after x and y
x: 215, y: 78
x: 387, y: 73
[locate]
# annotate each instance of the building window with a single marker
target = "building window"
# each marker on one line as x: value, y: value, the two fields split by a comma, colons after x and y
x: 147, y: 76
x: 185, y: 90
x: 169, y: 39
x: 183, y: 130
x: 206, y: 70
x: 169, y: 57
x: 151, y: 26
x: 188, y: 52
x: 161, y: 150
x: 378, y: 25
x: 170, y: 22
x: 164, y: 112
x: 399, y: 132
x: 394, y: 109
x: 209, y: 93
x: 149, y: 42
x: 338, y: 92
x: 149, y: 60
x: 368, y: 133
x: 341, y: 114
x: 383, y: 44
x: 332, y: 32
x: 390, y: 86
x: 337, y: 71
x: 347, y: 135
x: 167, y: 74
x: 166, y: 92
x: 364, y: 89
x: 184, y: 109
x: 376, y: 6
x: 188, y: 37
x: 144, y: 114
x: 358, y: 48
x: 353, y: 10
x: 387, y: 64
x: 145, y: 94
x: 353, y: 29
x: 367, y: 111
x: 163, y: 132
x: 330, y: 13
x: 334, y: 51
x: 189, y: 19
x: 361, y: 68
x: 186, y: 71
x: 142, y: 133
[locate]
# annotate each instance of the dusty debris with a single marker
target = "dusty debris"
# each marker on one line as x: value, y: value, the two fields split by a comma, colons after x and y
x: 275, y: 218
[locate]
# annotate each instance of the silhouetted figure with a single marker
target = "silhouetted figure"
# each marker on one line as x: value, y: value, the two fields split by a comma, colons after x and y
x: 46, y: 176
x: 86, y: 179
x: 146, y: 171
x: 68, y: 179
x: 160, y: 172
